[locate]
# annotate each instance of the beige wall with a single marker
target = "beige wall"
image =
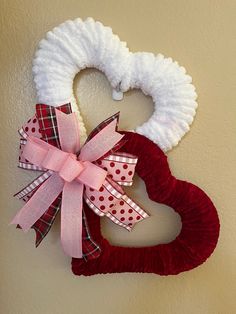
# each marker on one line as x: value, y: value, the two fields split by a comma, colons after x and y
x: 201, y: 36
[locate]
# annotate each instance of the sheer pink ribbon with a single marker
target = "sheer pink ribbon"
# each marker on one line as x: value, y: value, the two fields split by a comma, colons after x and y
x: 70, y: 173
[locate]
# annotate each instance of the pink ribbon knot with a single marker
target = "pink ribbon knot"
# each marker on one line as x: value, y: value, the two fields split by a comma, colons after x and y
x: 67, y: 165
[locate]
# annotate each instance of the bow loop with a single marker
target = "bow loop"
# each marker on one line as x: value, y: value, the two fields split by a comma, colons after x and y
x: 54, y: 158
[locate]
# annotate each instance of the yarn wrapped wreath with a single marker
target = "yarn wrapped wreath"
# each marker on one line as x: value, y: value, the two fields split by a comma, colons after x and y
x: 70, y: 163
x: 200, y: 224
x: 76, y: 45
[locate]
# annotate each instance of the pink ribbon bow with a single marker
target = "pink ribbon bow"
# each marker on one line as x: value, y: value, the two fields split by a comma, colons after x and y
x: 76, y: 175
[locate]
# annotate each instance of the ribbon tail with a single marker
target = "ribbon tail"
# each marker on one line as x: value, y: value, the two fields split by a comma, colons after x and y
x: 68, y: 129
x: 71, y: 218
x: 39, y: 202
x: 116, y: 205
x: 26, y: 191
x: 101, y: 143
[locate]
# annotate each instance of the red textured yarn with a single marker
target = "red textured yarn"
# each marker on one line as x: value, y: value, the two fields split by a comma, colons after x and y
x: 200, y: 224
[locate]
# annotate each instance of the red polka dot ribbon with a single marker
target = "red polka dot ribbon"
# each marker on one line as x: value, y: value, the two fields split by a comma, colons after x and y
x: 96, y: 171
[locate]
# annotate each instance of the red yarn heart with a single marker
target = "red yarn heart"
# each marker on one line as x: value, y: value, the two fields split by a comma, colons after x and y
x: 200, y: 224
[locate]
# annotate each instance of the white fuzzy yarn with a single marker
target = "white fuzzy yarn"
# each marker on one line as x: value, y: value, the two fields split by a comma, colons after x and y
x: 75, y: 45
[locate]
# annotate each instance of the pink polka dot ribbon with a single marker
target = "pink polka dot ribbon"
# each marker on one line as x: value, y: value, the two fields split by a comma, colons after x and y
x: 92, y: 171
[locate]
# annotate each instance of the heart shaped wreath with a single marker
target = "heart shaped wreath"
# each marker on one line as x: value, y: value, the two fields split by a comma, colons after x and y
x: 200, y: 224
x: 83, y: 176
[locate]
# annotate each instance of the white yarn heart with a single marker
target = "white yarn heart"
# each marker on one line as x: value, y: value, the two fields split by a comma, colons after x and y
x: 75, y: 45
